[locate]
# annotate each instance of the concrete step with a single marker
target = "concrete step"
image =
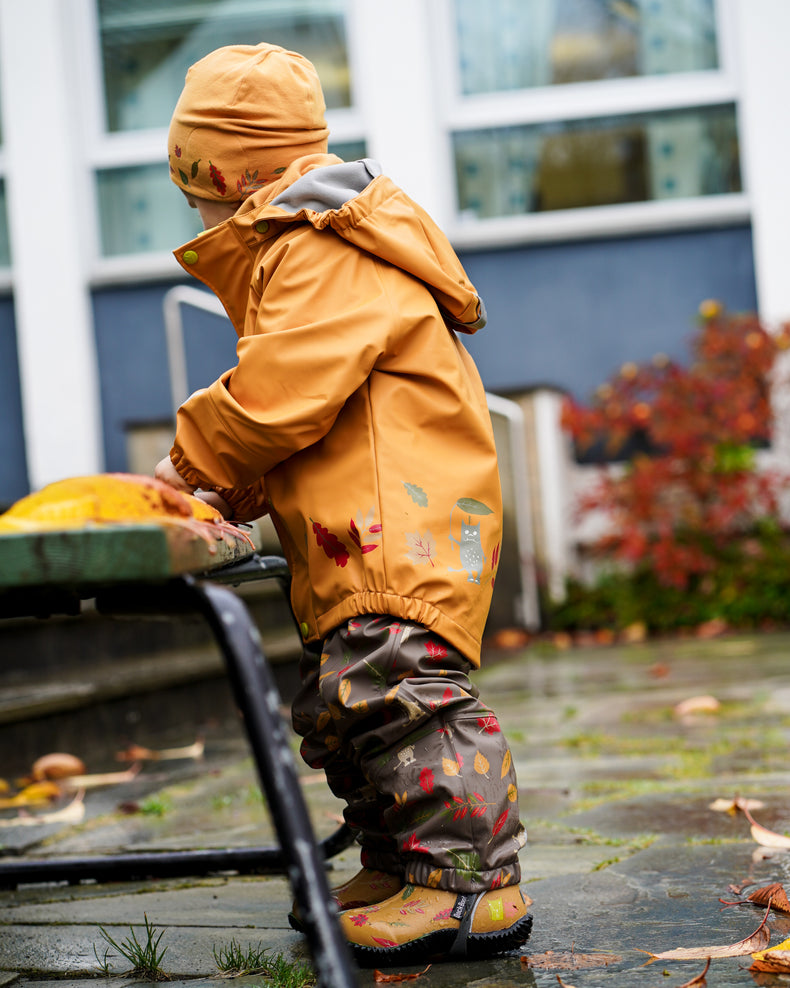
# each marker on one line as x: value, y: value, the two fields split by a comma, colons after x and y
x: 66, y: 680
x: 58, y: 643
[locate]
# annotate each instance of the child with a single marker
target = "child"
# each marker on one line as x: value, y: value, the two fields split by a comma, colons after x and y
x: 356, y: 418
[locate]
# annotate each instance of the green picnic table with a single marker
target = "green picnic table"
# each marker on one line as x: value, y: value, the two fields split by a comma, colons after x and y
x: 169, y: 569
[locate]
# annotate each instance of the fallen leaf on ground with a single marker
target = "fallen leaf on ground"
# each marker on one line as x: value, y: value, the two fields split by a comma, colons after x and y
x: 734, y: 805
x: 634, y: 633
x: 659, y: 670
x: 510, y: 638
x: 128, y: 807
x: 700, y: 978
x: 568, y: 960
x: 697, y: 705
x: 774, y: 960
x: 73, y: 813
x: 772, y: 895
x: 137, y: 753
x: 760, y: 854
x: 762, y: 835
x: 758, y: 940
x: 711, y: 629
x: 379, y: 977
x: 35, y: 794
x: 101, y: 779
x: 57, y: 765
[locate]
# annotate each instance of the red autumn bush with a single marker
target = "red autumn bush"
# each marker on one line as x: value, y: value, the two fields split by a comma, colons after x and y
x: 676, y: 508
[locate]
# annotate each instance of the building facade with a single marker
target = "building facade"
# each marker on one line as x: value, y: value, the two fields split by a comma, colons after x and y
x: 601, y: 166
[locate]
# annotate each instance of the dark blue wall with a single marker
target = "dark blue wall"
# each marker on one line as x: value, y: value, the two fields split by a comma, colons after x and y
x: 132, y: 355
x: 569, y: 315
x: 13, y: 463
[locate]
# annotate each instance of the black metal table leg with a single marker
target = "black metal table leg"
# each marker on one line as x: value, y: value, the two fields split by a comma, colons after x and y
x: 258, y: 699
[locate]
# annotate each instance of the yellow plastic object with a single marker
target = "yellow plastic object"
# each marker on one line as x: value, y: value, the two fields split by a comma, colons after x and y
x: 114, y: 498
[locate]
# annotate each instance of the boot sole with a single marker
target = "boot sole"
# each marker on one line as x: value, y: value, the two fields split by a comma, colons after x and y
x: 438, y: 946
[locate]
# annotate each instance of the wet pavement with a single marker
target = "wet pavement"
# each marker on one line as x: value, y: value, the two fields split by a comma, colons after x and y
x: 625, y: 854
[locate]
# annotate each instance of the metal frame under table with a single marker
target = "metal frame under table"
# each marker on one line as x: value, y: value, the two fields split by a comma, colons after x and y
x: 168, y: 570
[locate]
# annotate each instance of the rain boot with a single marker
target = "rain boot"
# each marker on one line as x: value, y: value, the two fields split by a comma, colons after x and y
x: 419, y: 925
x: 366, y: 888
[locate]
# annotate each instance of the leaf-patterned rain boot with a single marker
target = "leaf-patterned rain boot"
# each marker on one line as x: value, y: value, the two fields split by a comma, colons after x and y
x: 423, y: 924
x: 366, y: 888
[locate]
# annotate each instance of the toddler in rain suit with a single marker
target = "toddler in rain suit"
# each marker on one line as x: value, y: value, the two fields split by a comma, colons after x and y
x: 357, y: 420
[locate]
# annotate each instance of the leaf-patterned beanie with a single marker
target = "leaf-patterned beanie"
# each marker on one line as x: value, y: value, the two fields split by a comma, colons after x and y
x: 245, y: 113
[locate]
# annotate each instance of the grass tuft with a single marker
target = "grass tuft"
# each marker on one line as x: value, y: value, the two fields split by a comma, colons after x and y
x: 235, y: 960
x: 144, y: 956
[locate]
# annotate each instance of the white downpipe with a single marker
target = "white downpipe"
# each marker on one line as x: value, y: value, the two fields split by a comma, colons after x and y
x: 553, y: 481
x: 527, y: 609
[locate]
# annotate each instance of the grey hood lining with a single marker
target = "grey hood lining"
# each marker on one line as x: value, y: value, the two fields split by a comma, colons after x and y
x: 328, y: 188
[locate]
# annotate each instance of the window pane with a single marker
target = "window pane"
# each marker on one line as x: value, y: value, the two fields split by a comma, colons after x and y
x: 148, y: 45
x: 516, y: 44
x: 349, y: 150
x: 506, y: 171
x: 142, y: 211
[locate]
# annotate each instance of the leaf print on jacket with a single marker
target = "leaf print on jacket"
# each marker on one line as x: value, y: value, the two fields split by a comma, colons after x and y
x: 417, y: 494
x: 359, y: 527
x: 331, y: 544
x: 422, y: 548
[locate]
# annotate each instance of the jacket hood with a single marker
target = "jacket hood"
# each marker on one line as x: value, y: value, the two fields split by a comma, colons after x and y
x: 367, y: 209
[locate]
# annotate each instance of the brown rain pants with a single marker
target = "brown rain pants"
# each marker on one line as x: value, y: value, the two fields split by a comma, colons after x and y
x: 388, y: 711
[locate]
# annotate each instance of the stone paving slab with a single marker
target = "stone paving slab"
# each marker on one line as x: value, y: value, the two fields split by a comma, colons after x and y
x: 625, y: 854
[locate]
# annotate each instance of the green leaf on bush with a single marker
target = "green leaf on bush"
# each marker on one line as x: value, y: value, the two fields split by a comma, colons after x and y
x: 731, y: 457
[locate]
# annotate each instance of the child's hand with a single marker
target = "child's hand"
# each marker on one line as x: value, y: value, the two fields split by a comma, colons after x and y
x: 167, y: 473
x: 216, y: 501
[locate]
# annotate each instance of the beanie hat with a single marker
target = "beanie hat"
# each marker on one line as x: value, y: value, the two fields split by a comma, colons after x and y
x: 245, y: 113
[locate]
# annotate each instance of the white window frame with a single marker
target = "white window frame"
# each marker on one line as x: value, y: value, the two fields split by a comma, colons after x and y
x: 6, y: 270
x: 394, y: 112
x: 127, y: 149
x: 585, y: 101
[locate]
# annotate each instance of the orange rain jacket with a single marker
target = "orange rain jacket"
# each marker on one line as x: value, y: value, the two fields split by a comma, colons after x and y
x: 354, y: 415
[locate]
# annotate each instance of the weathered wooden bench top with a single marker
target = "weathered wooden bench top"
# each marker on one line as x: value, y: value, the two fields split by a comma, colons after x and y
x: 113, y: 528
x: 120, y: 553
